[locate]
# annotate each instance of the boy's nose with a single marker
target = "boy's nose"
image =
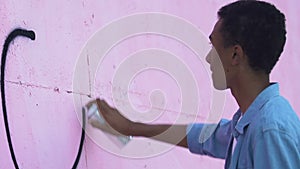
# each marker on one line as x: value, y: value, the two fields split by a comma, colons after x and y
x: 208, y: 57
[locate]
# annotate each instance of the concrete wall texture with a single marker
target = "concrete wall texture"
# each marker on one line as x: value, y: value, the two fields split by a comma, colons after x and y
x: 43, y: 114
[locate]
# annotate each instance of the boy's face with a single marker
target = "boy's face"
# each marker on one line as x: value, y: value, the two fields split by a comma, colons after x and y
x: 220, y: 59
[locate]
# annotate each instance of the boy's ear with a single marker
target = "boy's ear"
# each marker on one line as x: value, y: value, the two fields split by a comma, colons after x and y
x: 237, y: 55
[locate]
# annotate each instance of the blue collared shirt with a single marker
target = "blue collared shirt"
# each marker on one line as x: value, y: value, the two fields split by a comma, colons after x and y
x: 268, y: 135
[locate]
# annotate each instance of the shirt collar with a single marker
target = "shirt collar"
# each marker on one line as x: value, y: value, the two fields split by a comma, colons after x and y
x: 269, y: 92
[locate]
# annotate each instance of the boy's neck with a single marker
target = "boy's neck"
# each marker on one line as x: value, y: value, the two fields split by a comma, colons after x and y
x: 246, y: 89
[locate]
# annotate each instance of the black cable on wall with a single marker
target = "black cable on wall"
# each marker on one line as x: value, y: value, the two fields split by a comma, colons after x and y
x: 29, y: 34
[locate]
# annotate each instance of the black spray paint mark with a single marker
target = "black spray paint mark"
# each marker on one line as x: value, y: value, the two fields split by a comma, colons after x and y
x: 9, y: 39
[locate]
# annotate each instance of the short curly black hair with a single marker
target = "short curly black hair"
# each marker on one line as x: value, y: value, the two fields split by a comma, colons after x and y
x: 258, y: 27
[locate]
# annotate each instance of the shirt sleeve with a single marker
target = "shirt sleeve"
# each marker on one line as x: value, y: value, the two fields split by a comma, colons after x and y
x: 276, y: 149
x: 215, y: 145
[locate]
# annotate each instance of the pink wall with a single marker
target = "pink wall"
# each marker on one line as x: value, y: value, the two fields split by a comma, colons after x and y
x: 39, y: 81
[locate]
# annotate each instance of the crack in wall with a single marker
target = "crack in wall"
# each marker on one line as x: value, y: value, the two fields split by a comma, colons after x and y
x: 55, y: 89
x: 89, y: 74
x: 123, y: 101
x: 85, y: 155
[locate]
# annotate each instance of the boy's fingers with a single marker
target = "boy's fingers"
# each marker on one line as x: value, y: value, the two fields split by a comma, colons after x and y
x: 103, y: 106
x: 104, y: 127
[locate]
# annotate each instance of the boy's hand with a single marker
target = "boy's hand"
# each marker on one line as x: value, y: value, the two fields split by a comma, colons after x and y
x: 115, y: 124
